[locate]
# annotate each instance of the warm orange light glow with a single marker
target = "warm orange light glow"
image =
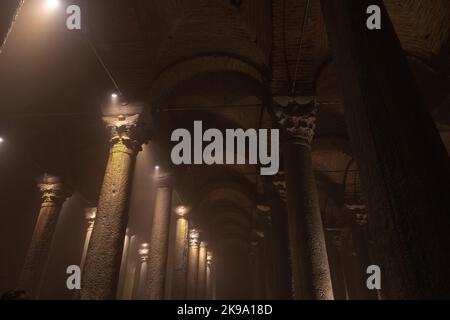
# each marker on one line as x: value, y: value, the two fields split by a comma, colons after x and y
x: 181, y: 210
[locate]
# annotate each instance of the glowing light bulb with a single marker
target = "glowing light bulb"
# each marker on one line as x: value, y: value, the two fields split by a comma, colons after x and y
x: 157, y: 168
x: 52, y: 4
x: 114, y: 96
x: 1, y: 140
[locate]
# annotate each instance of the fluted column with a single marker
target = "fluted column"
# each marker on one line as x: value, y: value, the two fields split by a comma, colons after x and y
x: 310, y: 270
x: 159, y: 238
x: 90, y: 220
x: 180, y: 254
x: 102, y: 267
x: 201, y: 278
x: 209, y: 287
x: 403, y: 163
x: 36, y: 259
x: 143, y: 270
x: 192, y: 273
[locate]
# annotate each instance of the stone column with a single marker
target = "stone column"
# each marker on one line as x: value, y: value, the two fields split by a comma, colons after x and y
x: 143, y: 270
x: 358, y: 223
x: 123, y: 265
x: 266, y: 220
x: 129, y: 269
x: 209, y: 287
x: 159, y: 238
x: 256, y: 260
x: 180, y: 255
x: 201, y: 278
x: 102, y: 267
x: 192, y: 273
x: 36, y: 259
x: 335, y: 256
x: 310, y: 270
x: 90, y: 220
x: 403, y: 164
x: 282, y: 281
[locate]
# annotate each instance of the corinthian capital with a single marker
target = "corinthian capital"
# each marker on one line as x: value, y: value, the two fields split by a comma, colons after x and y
x: 143, y: 252
x: 209, y: 258
x: 194, y: 236
x: 127, y: 129
x: 89, y: 215
x: 51, y: 188
x: 279, y: 183
x: 297, y: 116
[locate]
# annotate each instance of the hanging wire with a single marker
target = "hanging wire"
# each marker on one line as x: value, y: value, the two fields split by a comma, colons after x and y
x: 102, y: 63
x: 300, y: 43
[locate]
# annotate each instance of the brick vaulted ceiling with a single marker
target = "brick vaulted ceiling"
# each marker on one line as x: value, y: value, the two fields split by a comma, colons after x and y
x: 218, y: 60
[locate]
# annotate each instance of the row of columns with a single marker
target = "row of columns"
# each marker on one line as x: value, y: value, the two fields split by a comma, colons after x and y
x: 395, y: 144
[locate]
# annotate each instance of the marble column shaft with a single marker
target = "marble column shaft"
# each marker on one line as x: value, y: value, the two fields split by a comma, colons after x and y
x: 38, y: 251
x: 90, y: 220
x: 403, y: 163
x: 310, y: 270
x: 102, y: 267
x: 192, y: 273
x: 180, y: 258
x: 201, y: 278
x: 209, y: 287
x: 159, y: 239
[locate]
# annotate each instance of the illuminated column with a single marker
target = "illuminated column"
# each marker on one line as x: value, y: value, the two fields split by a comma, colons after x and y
x: 192, y: 272
x: 90, y: 219
x: 310, y: 270
x: 180, y: 254
x: 102, y: 267
x: 143, y: 257
x: 159, y: 238
x: 37, y: 255
x: 123, y: 265
x: 201, y: 278
x: 129, y: 269
x: 209, y: 287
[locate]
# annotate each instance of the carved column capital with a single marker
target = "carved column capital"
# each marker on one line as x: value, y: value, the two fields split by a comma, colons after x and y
x: 265, y: 213
x: 194, y: 238
x: 297, y: 116
x: 337, y: 237
x: 181, y: 211
x: 279, y: 183
x: 125, y: 131
x: 143, y: 252
x: 209, y: 258
x: 89, y: 215
x: 51, y: 188
x: 358, y: 213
